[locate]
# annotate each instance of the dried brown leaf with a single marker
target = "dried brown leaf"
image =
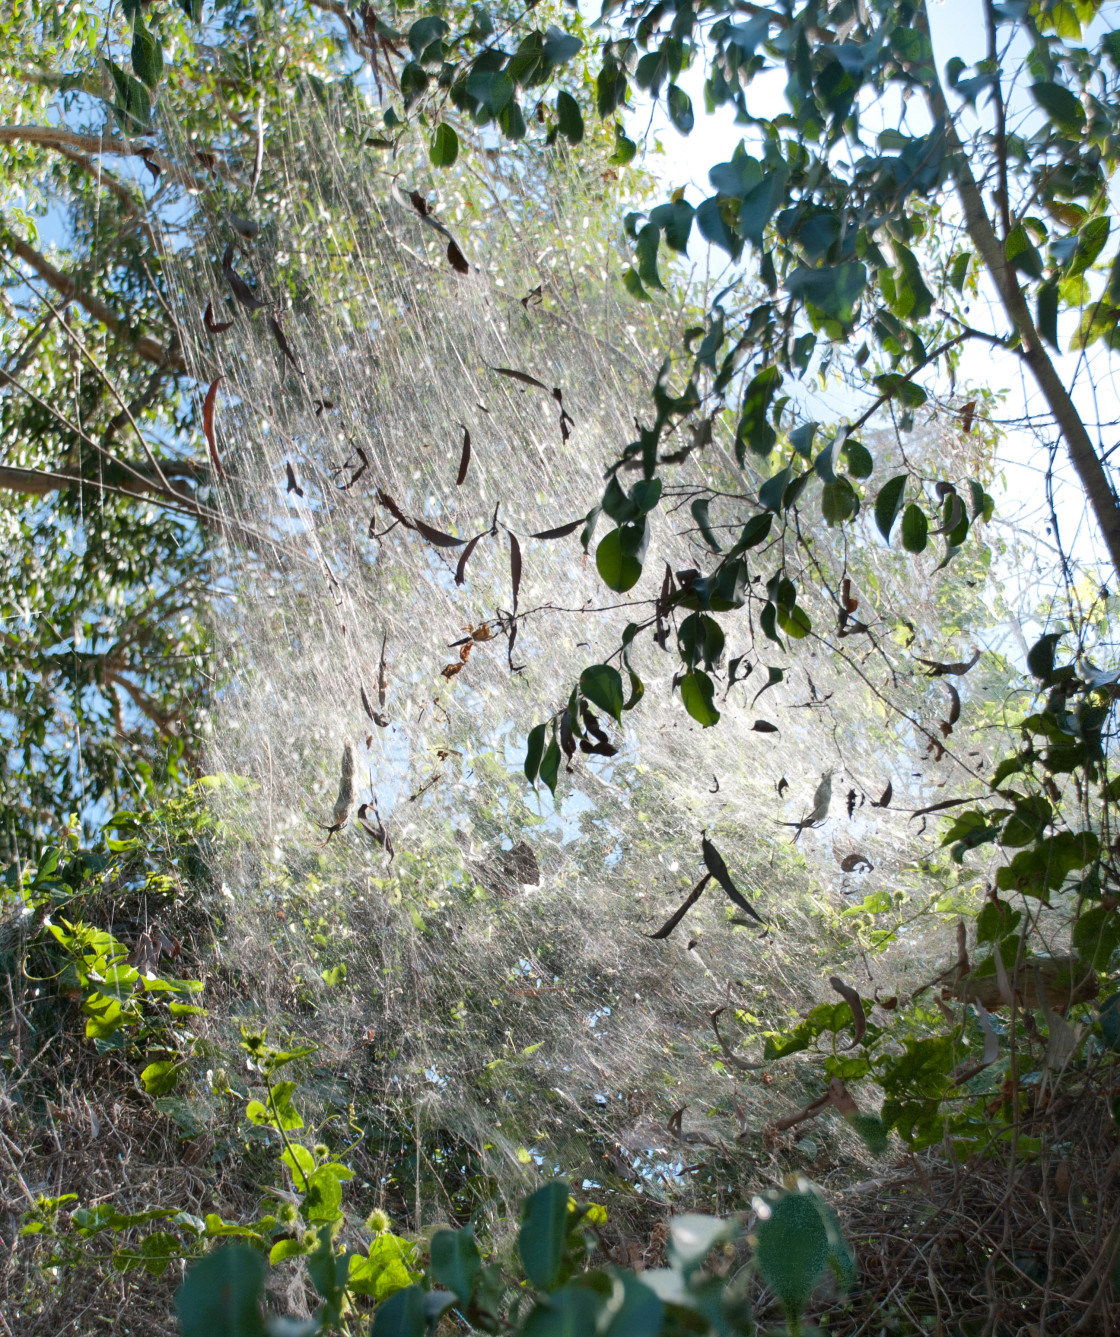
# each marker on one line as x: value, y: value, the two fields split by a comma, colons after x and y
x: 208, y: 407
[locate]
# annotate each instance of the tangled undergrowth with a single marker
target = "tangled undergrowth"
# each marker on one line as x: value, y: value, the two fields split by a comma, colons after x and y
x: 160, y: 1097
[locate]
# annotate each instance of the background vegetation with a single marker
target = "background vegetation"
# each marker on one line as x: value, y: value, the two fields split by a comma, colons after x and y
x: 273, y: 1067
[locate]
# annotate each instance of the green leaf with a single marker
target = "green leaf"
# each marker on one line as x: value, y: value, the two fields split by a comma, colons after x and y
x: 283, y: 1249
x: 680, y: 110
x: 754, y: 532
x: 699, y: 509
x: 617, y: 556
x: 912, y: 299
x: 915, y: 529
x: 832, y: 290
x: 755, y: 429
x: 133, y: 106
x: 1048, y: 314
x: 792, y: 1251
x: 1096, y: 935
x: 559, y: 47
x: 871, y: 1130
x: 402, y: 1315
x: 624, y: 148
x: 649, y: 238
x: 159, y: 1078
x: 633, y: 285
x: 959, y: 270
x: 323, y: 1199
x: 601, y: 684
x: 424, y: 32
x: 1060, y: 105
x: 839, y: 501
x: 641, y: 1313
x: 1022, y: 253
x: 533, y: 752
x: 801, y: 439
x: 1040, y: 657
x: 456, y: 1262
x: 569, y: 1312
x: 445, y: 146
x: 544, y: 1217
x: 147, y: 55
x: 221, y: 1296
x: 550, y: 765
x: 698, y: 695
x: 713, y: 227
x: 860, y: 463
x: 569, y: 117
x: 772, y: 492
x: 888, y: 504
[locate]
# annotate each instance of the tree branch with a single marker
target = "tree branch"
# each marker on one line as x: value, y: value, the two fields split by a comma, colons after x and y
x: 1082, y: 454
x: 54, y: 137
x: 131, y: 479
x: 141, y: 344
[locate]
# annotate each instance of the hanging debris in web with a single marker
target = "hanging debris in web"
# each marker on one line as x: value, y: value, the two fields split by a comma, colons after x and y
x: 241, y: 290
x: 345, y: 801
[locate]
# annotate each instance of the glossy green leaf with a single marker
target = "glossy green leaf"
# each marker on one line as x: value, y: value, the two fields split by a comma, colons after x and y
x: 444, y: 147
x: 915, y: 529
x: 888, y: 504
x: 618, y: 558
x: 147, y: 55
x: 680, y: 109
x: 569, y: 117
x: 456, y: 1261
x: 833, y: 290
x: 698, y: 694
x: 792, y: 1251
x: 540, y: 1243
x: 550, y: 765
x: 534, y: 751
x: 1060, y: 105
x: 601, y: 684
x: 221, y: 1296
x: 402, y: 1315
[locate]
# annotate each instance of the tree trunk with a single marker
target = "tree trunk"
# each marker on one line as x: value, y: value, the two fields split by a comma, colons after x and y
x: 1082, y: 454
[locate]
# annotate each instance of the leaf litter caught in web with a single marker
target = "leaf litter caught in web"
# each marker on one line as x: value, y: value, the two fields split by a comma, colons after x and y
x: 515, y: 568
x: 464, y: 458
x: 212, y: 325
x: 293, y: 486
x: 859, y: 1016
x: 522, y: 376
x: 283, y: 344
x: 938, y: 669
x: 240, y: 288
x: 394, y: 510
x: 715, y: 865
x: 378, y: 832
x: 561, y: 531
x: 457, y: 259
x: 437, y: 536
x: 885, y: 799
x: 208, y: 406
x: 464, y: 558
x: 852, y: 863
x: 675, y: 918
